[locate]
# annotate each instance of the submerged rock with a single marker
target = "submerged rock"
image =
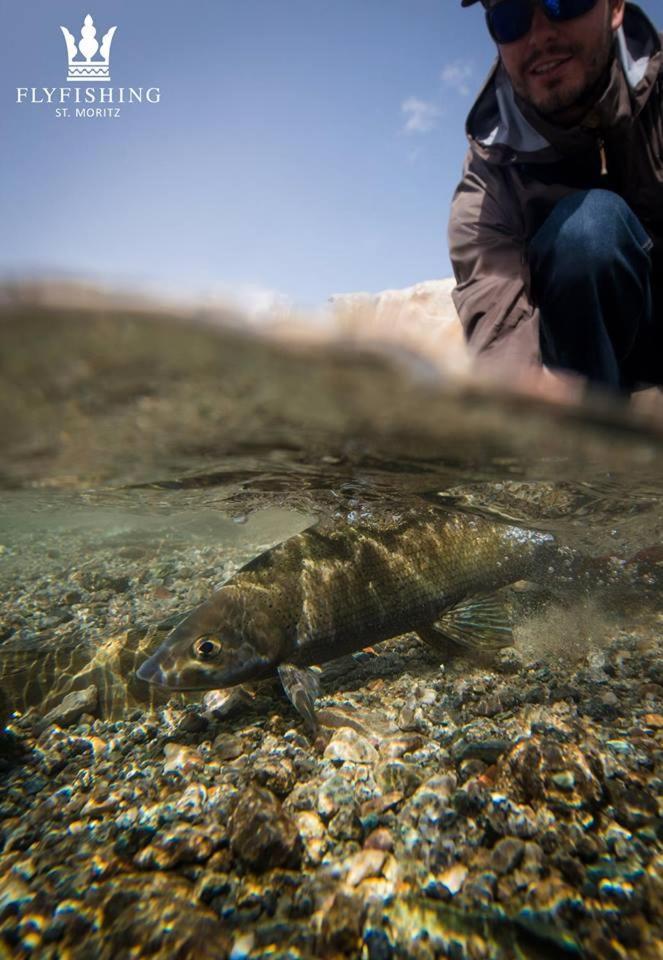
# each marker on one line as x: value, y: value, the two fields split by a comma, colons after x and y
x: 335, y: 793
x: 277, y: 774
x: 183, y: 844
x: 348, y: 745
x: 262, y: 834
x: 366, y: 863
x: 342, y: 925
x: 539, y: 767
x: 454, y: 878
x: 507, y: 854
x: 73, y: 706
x: 313, y: 832
x: 181, y: 759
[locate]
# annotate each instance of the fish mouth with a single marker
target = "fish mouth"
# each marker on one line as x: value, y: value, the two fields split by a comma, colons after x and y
x: 151, y: 672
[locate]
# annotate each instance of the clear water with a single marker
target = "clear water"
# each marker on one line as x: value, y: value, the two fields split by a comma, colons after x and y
x: 147, y: 456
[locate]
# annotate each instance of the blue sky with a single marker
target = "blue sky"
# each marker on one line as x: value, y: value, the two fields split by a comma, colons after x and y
x: 302, y: 146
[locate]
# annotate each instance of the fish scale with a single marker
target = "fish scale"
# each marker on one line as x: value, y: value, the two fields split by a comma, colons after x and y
x: 421, y: 570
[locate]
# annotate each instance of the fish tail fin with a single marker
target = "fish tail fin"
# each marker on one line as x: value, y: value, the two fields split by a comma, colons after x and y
x: 482, y: 624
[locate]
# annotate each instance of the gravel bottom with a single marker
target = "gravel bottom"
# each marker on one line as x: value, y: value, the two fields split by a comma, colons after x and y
x: 492, y: 811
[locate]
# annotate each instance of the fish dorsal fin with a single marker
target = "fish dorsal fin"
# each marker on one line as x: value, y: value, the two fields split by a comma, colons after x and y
x: 482, y: 623
x: 301, y: 687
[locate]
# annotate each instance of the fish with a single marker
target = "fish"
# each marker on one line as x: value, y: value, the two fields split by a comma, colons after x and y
x: 40, y: 670
x: 342, y: 585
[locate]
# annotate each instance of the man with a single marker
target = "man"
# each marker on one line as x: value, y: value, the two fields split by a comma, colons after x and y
x: 556, y: 229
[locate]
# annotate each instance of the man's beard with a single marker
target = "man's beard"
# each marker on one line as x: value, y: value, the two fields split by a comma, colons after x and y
x: 568, y: 105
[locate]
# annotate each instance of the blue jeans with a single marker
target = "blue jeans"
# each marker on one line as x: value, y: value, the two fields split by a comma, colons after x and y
x: 591, y: 271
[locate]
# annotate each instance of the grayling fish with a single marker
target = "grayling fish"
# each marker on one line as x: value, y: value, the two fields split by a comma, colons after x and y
x: 332, y: 590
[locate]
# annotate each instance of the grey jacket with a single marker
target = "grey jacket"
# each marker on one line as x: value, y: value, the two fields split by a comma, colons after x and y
x: 518, y: 166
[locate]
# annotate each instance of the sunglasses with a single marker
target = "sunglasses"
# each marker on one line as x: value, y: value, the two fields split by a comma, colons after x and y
x: 511, y: 20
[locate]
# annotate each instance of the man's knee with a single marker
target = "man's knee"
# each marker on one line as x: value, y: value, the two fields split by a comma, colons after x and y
x: 584, y: 232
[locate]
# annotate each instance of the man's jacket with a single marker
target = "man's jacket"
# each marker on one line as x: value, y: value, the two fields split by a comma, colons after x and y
x: 518, y: 167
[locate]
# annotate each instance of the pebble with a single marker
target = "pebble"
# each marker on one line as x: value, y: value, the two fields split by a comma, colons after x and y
x: 490, y: 706
x: 243, y: 945
x: 262, y: 834
x: 341, y: 925
x: 481, y: 887
x: 454, y: 878
x: 412, y: 718
x: 507, y: 854
x: 396, y: 747
x: 181, y: 759
x: 334, y: 793
x: 182, y: 844
x: 379, y: 839
x: 226, y: 747
x: 398, y: 776
x: 191, y: 722
x: 73, y: 706
x: 619, y: 746
x: 509, y: 660
x: 366, y: 863
x: 278, y: 774
x: 346, y: 745
x: 378, y: 805
x: 345, y: 825
x: 564, y: 780
x: 192, y: 801
x: 533, y: 859
x: 486, y: 750
x: 313, y: 832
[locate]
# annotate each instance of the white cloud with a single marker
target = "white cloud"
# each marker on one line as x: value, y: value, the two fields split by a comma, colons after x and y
x: 457, y: 75
x: 421, y: 115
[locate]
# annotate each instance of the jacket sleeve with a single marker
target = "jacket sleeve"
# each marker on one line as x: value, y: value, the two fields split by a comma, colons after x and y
x: 487, y: 250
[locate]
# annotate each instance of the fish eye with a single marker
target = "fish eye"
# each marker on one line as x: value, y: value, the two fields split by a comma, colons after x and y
x: 206, y: 648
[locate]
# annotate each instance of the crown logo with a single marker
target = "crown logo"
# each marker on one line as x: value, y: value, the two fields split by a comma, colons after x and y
x: 89, y: 68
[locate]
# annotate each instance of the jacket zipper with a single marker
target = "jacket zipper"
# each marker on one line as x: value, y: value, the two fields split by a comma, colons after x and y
x: 604, y: 159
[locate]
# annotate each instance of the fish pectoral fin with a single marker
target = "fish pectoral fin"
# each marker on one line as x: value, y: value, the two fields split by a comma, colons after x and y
x: 301, y: 687
x: 482, y: 624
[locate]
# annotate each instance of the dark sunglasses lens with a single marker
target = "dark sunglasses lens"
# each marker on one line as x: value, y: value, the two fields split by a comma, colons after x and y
x: 567, y: 9
x: 510, y: 20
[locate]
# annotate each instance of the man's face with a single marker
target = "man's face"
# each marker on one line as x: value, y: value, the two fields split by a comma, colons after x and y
x: 556, y: 66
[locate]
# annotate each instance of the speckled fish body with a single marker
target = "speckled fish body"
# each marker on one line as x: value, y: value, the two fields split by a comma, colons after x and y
x: 332, y: 590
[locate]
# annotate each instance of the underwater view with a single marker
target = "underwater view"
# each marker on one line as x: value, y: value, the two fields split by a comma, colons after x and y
x: 309, y: 650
